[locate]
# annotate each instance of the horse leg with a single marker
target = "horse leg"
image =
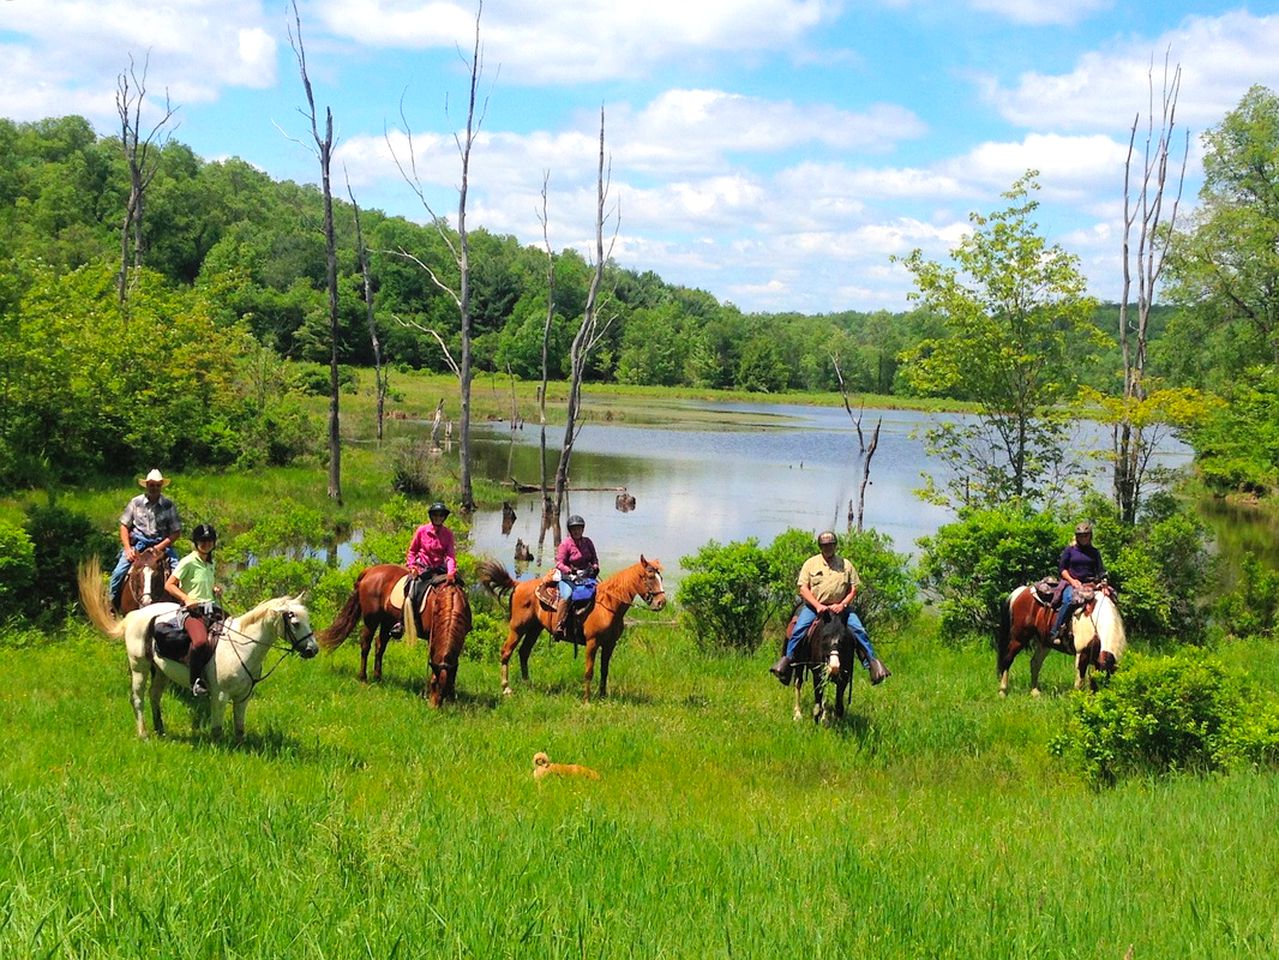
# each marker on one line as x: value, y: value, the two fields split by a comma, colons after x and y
x: 383, y: 638
x: 1036, y: 661
x: 366, y: 641
x: 139, y: 686
x: 819, y: 695
x: 606, y: 654
x: 526, y: 650
x: 798, y: 683
x: 591, y: 646
x: 158, y: 683
x: 1006, y: 664
x: 237, y: 717
x: 841, y: 687
x: 1081, y: 670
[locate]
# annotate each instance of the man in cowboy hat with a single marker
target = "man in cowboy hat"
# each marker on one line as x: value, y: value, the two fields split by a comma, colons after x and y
x: 150, y: 520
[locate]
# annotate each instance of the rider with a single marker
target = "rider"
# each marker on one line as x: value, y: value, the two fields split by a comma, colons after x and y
x: 1080, y: 563
x: 431, y: 552
x: 150, y: 519
x: 192, y: 583
x: 828, y: 583
x: 575, y: 558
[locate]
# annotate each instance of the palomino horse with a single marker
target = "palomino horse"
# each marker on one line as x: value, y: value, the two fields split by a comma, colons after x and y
x: 603, y: 626
x: 828, y: 652
x: 446, y: 620
x: 377, y: 605
x: 1097, y: 635
x: 144, y: 583
x: 236, y: 668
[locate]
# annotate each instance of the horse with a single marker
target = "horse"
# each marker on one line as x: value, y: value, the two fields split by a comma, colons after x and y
x: 236, y: 667
x: 446, y: 620
x: 829, y: 652
x: 1097, y: 636
x: 144, y: 583
x: 372, y: 603
x: 601, y: 629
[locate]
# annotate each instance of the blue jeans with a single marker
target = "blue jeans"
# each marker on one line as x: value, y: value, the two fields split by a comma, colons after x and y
x: 122, y: 565
x: 807, y: 616
x: 1067, y: 594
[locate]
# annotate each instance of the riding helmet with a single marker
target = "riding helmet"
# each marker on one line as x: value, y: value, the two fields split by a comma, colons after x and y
x: 204, y: 531
x: 436, y: 508
x: 576, y: 521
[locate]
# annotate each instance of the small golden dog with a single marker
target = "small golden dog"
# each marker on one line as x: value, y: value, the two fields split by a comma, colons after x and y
x: 542, y: 767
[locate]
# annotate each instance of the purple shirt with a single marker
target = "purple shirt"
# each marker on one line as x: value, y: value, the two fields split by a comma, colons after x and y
x: 432, y: 547
x: 1083, y: 563
x: 577, y: 556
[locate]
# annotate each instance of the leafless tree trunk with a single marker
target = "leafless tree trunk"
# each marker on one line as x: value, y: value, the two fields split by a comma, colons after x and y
x: 843, y: 392
x: 1144, y: 209
x: 543, y: 217
x: 460, y: 250
x: 379, y: 371
x: 324, y: 153
x: 130, y: 92
x: 592, y: 329
x: 861, y: 491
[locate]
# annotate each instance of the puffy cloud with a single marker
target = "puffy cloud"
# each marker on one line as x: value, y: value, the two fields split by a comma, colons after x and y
x: 1040, y: 12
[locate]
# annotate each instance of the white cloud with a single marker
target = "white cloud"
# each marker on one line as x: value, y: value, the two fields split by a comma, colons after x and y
x: 1221, y: 58
x: 1041, y: 12
x: 1069, y: 167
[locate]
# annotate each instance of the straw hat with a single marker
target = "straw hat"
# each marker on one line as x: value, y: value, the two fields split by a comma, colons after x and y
x: 155, y: 476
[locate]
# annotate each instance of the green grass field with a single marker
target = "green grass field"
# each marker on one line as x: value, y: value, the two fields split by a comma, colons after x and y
x: 356, y: 822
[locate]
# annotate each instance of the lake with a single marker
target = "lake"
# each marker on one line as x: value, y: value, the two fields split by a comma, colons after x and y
x: 775, y: 467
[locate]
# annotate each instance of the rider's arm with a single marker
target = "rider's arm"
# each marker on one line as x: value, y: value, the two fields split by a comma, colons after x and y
x: 450, y: 552
x: 411, y: 555
x: 561, y: 556
x: 809, y: 599
x: 127, y: 542
x: 173, y: 587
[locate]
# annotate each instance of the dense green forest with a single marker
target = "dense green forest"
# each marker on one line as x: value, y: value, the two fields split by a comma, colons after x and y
x: 190, y: 369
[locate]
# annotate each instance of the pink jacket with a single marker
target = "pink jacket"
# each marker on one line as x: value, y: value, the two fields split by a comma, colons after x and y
x: 432, y: 546
x: 572, y: 557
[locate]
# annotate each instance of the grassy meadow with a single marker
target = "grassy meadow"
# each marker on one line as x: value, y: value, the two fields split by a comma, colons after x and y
x: 356, y: 822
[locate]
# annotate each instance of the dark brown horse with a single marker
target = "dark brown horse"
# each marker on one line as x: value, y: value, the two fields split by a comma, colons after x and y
x: 144, y: 583
x: 600, y: 631
x: 371, y: 604
x: 446, y: 620
x: 828, y: 653
x: 1096, y: 638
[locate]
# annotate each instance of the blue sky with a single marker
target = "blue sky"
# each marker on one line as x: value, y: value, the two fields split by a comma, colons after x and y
x: 776, y: 153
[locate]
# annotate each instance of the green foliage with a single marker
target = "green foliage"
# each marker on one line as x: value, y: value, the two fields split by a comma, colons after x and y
x: 61, y: 540
x: 728, y: 594
x: 17, y: 569
x: 972, y: 565
x: 1168, y: 714
x: 412, y: 466
x: 488, y: 633
x: 1237, y: 443
x: 1252, y: 608
x: 315, y: 379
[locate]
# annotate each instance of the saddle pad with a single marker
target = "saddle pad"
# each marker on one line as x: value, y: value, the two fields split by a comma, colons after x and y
x: 548, y: 595
x: 397, y: 592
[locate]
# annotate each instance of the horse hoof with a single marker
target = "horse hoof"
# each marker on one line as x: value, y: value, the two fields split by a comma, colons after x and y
x: 507, y: 691
x: 1034, y: 692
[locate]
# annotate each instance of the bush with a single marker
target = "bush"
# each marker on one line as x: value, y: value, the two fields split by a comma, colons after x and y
x: 973, y: 564
x: 1169, y: 714
x: 728, y: 595
x: 411, y: 464
x: 315, y: 379
x: 1252, y: 608
x: 61, y: 539
x: 17, y: 569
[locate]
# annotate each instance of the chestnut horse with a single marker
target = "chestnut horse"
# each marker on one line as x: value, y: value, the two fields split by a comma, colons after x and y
x: 144, y: 583
x: 603, y: 626
x: 370, y: 603
x: 446, y: 620
x: 1096, y: 638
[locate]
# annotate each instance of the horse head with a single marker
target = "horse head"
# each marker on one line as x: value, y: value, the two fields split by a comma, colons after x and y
x: 825, y: 639
x: 650, y: 588
x: 296, y: 624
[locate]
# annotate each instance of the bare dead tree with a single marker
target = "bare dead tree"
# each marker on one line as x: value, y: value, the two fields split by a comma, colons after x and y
x: 1144, y: 210
x: 460, y: 249
x: 843, y: 392
x: 861, y: 491
x: 544, y: 219
x: 324, y: 153
x: 141, y: 161
x: 593, y: 327
x: 380, y: 372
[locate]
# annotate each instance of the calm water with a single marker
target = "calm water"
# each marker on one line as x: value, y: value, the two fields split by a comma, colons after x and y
x: 792, y: 466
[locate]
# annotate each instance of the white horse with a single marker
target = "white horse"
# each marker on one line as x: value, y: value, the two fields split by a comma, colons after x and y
x: 237, y: 664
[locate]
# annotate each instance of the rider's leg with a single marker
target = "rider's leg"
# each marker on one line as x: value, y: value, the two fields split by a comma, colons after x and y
x: 1067, y: 601
x: 201, y: 653
x: 781, y: 669
x: 117, y: 578
x: 562, y: 608
x: 866, y: 650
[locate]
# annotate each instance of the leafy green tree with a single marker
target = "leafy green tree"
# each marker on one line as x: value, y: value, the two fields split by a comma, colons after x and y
x: 1015, y: 318
x: 1237, y: 444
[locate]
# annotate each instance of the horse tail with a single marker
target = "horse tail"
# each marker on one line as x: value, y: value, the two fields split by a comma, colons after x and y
x: 495, y: 577
x: 341, y: 628
x: 1004, y: 635
x: 94, y: 599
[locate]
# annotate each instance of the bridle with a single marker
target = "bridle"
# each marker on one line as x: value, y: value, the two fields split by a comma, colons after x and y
x: 289, y: 622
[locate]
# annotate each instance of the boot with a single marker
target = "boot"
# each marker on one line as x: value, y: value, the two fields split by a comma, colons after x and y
x: 561, y: 619
x: 878, y: 672
x: 397, y: 629
x: 781, y: 670
x: 199, y: 663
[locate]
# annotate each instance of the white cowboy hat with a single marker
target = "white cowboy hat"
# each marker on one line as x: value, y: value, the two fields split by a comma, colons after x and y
x: 155, y: 476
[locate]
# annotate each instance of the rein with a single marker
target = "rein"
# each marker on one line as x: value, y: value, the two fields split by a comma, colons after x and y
x: 291, y: 647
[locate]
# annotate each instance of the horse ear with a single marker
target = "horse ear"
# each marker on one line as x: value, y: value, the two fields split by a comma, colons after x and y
x: 299, y: 599
x: 643, y: 562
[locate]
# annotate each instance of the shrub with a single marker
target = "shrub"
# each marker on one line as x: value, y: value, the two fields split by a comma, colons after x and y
x: 411, y: 468
x: 17, y: 569
x: 973, y: 564
x: 61, y: 539
x: 315, y: 379
x: 1252, y: 608
x: 1169, y: 714
x: 488, y: 633
x: 728, y: 595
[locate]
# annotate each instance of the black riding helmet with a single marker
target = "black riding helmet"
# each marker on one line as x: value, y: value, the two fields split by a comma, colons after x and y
x: 576, y: 521
x: 437, y: 508
x: 204, y: 531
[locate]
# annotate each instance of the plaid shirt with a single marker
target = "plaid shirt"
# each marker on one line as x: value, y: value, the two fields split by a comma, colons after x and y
x: 155, y: 521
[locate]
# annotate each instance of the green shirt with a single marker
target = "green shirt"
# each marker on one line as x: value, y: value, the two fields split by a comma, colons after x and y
x: 195, y: 576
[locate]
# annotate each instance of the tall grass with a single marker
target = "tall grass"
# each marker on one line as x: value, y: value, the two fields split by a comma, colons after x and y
x: 356, y: 822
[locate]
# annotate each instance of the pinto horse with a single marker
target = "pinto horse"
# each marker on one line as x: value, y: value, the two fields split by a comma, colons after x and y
x: 446, y: 620
x: 1097, y: 635
x: 376, y: 604
x: 601, y: 629
x: 144, y: 583
x: 829, y: 652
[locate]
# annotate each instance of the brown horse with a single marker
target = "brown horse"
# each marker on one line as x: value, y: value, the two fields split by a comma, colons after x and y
x: 372, y: 605
x: 828, y: 653
x: 1096, y: 638
x: 446, y: 620
x: 144, y: 583
x: 603, y: 626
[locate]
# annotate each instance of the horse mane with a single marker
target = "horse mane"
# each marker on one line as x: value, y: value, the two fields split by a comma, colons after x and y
x: 1110, y: 627
x: 260, y: 612
x: 616, y: 586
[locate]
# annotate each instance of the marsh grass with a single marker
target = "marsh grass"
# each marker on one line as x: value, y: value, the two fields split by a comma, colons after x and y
x: 356, y: 822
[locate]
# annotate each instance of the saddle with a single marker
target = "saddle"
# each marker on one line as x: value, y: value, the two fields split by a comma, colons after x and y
x: 166, y: 634
x: 1047, y: 592
x: 418, y: 591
